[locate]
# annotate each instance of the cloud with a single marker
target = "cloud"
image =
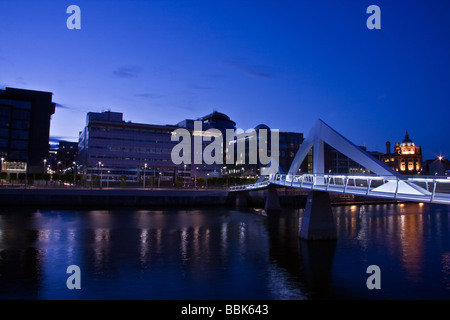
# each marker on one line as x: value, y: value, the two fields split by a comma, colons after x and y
x: 252, y: 71
x: 186, y: 107
x: 62, y: 106
x: 21, y: 81
x: 127, y: 72
x: 148, y: 95
x: 57, y: 139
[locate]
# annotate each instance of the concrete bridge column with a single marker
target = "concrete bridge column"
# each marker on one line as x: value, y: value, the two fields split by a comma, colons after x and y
x: 242, y: 199
x: 272, y: 199
x: 318, y: 221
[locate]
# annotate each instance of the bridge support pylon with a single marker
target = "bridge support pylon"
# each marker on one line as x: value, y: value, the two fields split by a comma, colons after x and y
x: 318, y: 222
x: 242, y: 198
x: 272, y: 200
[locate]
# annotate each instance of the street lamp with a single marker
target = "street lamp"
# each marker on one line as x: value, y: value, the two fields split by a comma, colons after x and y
x: 45, y: 166
x: 100, y: 172
x: 195, y: 181
x: 1, y: 170
x: 59, y: 170
x: 145, y: 167
x: 74, y: 172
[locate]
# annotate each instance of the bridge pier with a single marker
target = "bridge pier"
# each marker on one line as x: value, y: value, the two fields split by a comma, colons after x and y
x: 272, y: 200
x: 318, y: 221
x: 242, y: 199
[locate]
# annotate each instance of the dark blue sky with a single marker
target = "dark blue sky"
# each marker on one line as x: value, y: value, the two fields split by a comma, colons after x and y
x: 282, y: 63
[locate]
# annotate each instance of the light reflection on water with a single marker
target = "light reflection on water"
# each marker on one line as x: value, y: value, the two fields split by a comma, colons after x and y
x: 224, y: 254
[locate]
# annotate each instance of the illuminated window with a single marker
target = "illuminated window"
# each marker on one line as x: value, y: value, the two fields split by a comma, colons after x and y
x: 410, y: 166
x: 402, y: 166
x: 408, y: 150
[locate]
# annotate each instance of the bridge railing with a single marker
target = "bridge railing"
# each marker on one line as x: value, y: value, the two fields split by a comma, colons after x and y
x: 257, y: 185
x: 416, y: 188
x: 390, y: 186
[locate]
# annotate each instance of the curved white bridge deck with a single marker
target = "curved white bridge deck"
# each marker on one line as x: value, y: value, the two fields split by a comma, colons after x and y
x: 417, y: 189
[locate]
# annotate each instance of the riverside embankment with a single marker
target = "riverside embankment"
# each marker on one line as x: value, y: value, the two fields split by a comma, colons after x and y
x: 111, y: 197
x: 156, y: 197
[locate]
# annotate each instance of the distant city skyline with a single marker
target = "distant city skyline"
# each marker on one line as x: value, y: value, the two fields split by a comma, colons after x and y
x: 281, y: 63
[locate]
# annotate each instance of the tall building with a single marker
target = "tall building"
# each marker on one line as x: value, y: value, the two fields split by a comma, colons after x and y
x: 24, y: 129
x: 288, y: 145
x: 66, y: 155
x: 113, y: 149
x: 406, y: 158
x: 437, y: 167
x: 336, y: 162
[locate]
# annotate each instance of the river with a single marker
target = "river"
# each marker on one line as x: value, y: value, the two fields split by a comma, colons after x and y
x: 221, y: 253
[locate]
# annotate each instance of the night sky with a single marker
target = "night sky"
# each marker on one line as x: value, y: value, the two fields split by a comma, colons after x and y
x: 282, y: 63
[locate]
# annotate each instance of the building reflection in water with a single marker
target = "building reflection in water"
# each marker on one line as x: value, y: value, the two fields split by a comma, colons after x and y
x: 397, y: 229
x: 184, y: 254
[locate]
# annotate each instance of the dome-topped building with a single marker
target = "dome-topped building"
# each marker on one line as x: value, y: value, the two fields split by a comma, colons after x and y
x: 406, y: 158
x: 407, y: 142
x: 262, y: 126
x: 219, y: 121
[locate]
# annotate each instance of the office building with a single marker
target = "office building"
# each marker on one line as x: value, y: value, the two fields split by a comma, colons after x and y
x: 288, y: 145
x: 336, y: 162
x: 111, y: 150
x: 24, y: 129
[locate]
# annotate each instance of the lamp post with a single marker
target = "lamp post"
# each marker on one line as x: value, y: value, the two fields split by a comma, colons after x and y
x: 184, y: 177
x: 57, y: 169
x: 145, y: 168
x: 195, y: 181
x: 159, y: 180
x: 207, y: 175
x: 100, y: 173
x: 74, y: 173
x: 45, y: 166
x: 1, y: 170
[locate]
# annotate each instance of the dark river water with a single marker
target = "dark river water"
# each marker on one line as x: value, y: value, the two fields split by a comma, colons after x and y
x: 221, y: 253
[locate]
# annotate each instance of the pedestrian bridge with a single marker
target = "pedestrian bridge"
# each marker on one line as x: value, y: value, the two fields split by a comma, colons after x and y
x: 417, y: 189
x: 381, y: 182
